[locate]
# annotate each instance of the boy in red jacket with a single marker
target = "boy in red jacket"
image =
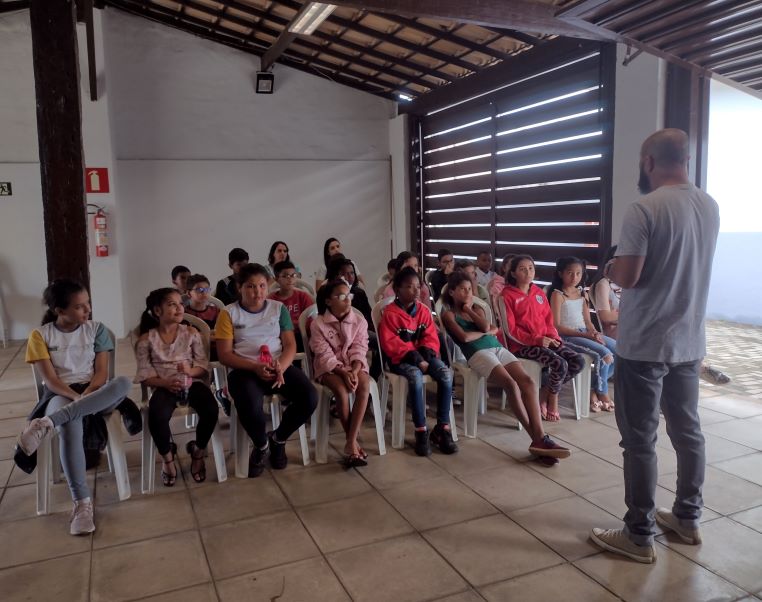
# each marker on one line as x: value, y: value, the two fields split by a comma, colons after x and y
x: 409, y: 339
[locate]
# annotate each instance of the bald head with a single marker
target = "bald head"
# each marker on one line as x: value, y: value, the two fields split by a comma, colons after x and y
x: 668, y: 148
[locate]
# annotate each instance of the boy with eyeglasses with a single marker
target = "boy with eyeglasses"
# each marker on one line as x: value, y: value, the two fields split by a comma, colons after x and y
x: 198, y: 304
x: 295, y: 299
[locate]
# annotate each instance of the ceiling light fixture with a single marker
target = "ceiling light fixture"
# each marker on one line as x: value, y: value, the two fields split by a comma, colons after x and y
x: 310, y: 16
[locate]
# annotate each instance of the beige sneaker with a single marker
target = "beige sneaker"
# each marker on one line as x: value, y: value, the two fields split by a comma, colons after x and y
x: 669, y: 521
x: 616, y: 540
x: 33, y: 434
x: 82, y: 518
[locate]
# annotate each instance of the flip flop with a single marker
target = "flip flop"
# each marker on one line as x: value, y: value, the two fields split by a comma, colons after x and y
x: 553, y: 416
x: 544, y: 410
x: 353, y: 461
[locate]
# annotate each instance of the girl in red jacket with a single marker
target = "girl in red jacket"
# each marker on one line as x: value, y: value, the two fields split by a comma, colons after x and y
x: 532, y: 334
x: 409, y: 339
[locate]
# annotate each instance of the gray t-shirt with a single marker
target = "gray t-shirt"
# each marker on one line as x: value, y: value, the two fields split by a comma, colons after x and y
x: 662, y: 318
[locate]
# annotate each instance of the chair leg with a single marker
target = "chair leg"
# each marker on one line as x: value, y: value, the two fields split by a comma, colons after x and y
x: 305, y: 444
x: 117, y: 455
x: 472, y: 385
x: 148, y: 465
x: 585, y: 382
x: 399, y: 405
x: 385, y: 395
x: 55, y: 455
x: 241, y: 447
x: 453, y: 426
x: 321, y: 422
x: 483, y: 397
x: 43, y: 475
x: 190, y: 421
x: 378, y: 416
x: 219, y: 454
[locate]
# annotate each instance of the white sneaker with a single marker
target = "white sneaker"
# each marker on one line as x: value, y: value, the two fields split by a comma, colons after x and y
x: 617, y: 541
x: 33, y: 434
x: 669, y: 521
x: 82, y: 518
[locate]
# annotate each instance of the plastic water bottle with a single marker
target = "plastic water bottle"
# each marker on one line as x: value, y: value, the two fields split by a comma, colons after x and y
x: 185, y: 383
x: 264, y: 355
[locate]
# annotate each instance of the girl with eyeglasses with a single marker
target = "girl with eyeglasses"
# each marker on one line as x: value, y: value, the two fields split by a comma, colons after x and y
x: 339, y: 343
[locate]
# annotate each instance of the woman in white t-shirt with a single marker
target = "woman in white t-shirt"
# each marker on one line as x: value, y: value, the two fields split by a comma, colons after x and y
x: 332, y: 247
x: 255, y: 339
x: 70, y: 351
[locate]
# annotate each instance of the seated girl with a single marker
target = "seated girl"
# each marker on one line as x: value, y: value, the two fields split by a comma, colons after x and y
x: 605, y: 295
x: 332, y: 247
x: 407, y: 260
x: 409, y: 339
x: 255, y: 339
x: 533, y: 336
x: 71, y: 352
x: 172, y: 360
x: 467, y: 323
x: 571, y: 316
x: 339, y: 343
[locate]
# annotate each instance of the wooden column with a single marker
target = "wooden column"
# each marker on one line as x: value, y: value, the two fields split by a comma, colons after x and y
x: 59, y: 133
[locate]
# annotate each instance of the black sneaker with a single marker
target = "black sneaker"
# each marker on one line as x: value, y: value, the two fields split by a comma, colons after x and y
x: 422, y: 447
x: 278, y: 459
x: 223, y: 401
x: 257, y: 461
x: 442, y: 438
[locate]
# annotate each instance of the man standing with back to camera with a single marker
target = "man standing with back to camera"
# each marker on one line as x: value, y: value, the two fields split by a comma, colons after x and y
x: 664, y: 264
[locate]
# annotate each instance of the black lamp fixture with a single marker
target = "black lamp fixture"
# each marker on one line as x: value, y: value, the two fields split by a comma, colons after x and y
x: 265, y: 82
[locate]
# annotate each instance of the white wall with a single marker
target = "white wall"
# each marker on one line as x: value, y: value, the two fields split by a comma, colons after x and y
x: 400, y: 163
x: 639, y: 112
x: 192, y: 149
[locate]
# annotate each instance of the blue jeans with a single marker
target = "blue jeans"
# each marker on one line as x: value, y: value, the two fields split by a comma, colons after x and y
x: 67, y: 415
x: 416, y: 397
x: 597, y: 351
x: 642, y: 388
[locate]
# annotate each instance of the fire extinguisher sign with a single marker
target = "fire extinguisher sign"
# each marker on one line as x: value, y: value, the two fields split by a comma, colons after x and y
x: 96, y: 180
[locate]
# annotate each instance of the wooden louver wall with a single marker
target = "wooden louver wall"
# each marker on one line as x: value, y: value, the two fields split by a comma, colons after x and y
x: 522, y: 169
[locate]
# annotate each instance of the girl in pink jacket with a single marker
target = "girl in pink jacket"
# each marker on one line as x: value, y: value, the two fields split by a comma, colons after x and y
x: 339, y: 344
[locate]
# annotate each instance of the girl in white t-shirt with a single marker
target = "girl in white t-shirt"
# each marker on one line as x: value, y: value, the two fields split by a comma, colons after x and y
x: 70, y: 351
x: 332, y: 247
x: 255, y: 339
x: 571, y: 316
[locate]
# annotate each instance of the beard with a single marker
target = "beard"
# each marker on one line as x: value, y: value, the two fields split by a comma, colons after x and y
x: 644, y: 185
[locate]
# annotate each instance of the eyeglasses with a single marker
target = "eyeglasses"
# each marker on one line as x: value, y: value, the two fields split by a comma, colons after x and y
x: 287, y: 276
x: 343, y: 296
x: 202, y: 289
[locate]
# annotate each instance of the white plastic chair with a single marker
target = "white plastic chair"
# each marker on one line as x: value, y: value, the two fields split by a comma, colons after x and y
x: 148, y: 448
x: 216, y: 301
x: 48, y: 455
x: 580, y: 383
x: 241, y: 441
x: 322, y: 418
x: 300, y: 284
x: 399, y: 387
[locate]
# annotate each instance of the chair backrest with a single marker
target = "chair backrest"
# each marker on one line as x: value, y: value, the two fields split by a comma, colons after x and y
x: 203, y: 329
x: 375, y: 315
x: 216, y: 301
x: 427, y: 277
x: 309, y: 313
x: 383, y: 280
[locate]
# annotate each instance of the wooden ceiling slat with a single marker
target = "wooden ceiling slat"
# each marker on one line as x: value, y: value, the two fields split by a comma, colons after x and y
x: 201, y: 29
x: 338, y: 40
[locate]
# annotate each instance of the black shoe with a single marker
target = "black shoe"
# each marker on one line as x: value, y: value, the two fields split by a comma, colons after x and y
x: 223, y: 401
x: 131, y: 417
x: 422, y: 447
x: 278, y: 459
x: 442, y: 438
x: 257, y: 461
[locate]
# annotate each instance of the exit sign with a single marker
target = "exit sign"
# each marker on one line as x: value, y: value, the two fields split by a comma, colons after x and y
x: 96, y: 180
x: 5, y: 189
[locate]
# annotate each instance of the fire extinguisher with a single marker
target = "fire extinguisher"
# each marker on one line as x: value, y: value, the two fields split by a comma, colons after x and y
x: 100, y: 223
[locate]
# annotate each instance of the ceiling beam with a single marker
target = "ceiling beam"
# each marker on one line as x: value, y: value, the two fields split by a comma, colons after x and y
x: 512, y: 14
x: 279, y: 47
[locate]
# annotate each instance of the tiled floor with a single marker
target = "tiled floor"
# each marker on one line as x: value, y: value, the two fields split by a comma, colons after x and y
x: 485, y: 524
